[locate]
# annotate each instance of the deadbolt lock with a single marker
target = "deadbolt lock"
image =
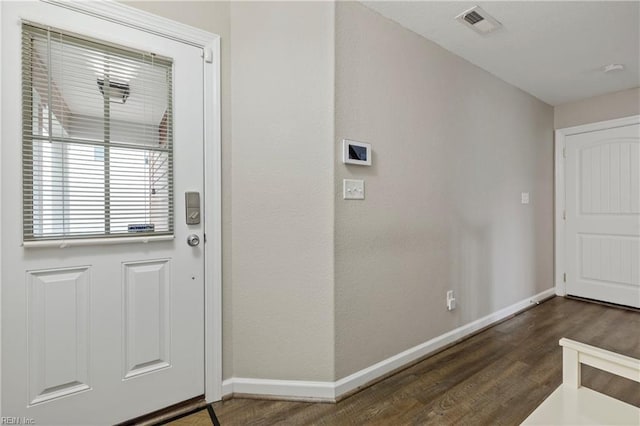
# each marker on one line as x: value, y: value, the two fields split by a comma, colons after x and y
x: 192, y: 207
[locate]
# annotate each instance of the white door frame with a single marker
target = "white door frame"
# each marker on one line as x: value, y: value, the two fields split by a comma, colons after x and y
x: 560, y: 200
x: 210, y: 45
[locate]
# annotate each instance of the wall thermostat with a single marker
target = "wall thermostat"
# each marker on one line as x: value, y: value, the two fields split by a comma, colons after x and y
x: 354, y: 152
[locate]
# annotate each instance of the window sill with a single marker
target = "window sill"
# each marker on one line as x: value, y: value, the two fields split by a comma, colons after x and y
x: 96, y: 241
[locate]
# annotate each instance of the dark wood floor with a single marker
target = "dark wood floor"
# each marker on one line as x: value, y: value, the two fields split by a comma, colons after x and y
x: 496, y: 377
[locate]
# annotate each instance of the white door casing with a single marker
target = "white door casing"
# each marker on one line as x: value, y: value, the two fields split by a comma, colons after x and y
x: 598, y: 211
x: 101, y: 334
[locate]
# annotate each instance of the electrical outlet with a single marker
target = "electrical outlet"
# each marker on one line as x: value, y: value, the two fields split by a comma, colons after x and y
x: 451, y: 301
x: 451, y: 304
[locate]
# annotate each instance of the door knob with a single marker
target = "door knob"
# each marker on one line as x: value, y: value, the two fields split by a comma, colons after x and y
x: 193, y: 240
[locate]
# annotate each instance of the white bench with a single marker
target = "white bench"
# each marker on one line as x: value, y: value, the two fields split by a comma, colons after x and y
x: 573, y: 404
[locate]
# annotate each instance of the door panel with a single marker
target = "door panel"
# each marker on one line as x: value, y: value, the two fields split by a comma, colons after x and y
x: 603, y: 215
x: 99, y: 334
x: 146, y: 322
x: 58, y: 333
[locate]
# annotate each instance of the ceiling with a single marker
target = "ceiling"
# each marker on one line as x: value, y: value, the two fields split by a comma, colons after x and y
x: 554, y: 50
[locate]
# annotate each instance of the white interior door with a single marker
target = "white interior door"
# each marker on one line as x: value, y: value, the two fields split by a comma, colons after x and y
x: 101, y: 333
x: 603, y: 215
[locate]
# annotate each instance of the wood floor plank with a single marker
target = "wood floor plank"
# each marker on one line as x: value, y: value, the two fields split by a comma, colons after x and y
x: 497, y: 377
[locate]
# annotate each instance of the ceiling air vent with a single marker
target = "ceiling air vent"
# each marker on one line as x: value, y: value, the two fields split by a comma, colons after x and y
x: 473, y: 17
x: 478, y: 20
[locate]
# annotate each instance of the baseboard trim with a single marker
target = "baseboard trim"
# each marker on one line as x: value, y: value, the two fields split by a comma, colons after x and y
x: 300, y: 390
x: 370, y: 374
x: 290, y: 390
x: 227, y: 388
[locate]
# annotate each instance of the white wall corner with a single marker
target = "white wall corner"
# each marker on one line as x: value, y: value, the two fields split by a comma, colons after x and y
x: 331, y: 391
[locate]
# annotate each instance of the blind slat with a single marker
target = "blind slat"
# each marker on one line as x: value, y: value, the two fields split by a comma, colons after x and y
x: 97, y: 138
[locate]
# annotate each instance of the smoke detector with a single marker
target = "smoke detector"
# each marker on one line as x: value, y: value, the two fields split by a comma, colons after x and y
x: 479, y: 20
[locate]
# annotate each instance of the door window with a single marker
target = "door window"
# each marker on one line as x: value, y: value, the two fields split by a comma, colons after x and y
x: 97, y: 138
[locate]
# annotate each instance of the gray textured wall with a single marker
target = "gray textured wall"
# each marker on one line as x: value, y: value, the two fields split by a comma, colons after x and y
x: 453, y: 149
x: 282, y: 174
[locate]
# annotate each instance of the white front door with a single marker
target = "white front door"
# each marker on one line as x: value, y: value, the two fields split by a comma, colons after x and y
x: 95, y: 332
x: 603, y: 215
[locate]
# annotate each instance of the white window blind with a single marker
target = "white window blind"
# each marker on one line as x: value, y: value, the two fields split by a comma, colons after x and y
x: 97, y: 138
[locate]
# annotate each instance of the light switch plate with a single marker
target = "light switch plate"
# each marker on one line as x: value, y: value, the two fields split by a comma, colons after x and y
x: 524, y: 198
x: 353, y: 189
